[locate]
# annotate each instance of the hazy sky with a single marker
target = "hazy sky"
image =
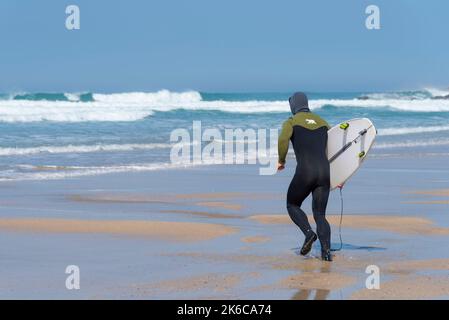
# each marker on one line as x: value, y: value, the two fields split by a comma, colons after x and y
x: 226, y: 45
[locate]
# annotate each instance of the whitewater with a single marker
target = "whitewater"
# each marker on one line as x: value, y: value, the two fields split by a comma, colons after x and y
x: 74, y: 134
x: 134, y: 106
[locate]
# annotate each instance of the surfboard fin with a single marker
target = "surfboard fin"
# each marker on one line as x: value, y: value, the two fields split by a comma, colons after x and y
x: 344, y: 126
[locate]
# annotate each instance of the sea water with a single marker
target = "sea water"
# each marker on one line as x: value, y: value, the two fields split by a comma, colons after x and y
x: 63, y: 135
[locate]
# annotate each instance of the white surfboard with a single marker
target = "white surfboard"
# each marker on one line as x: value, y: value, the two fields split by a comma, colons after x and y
x: 347, y: 147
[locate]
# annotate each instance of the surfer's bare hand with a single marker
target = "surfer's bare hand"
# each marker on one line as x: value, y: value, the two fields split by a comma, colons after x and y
x: 281, y: 166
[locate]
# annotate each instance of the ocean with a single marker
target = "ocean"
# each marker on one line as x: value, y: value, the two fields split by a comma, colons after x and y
x: 66, y: 135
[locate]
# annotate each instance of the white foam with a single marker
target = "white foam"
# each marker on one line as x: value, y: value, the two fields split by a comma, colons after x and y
x: 73, y: 172
x: 149, y: 98
x: 437, y: 92
x: 424, y: 105
x: 72, y: 96
x: 138, y: 105
x: 411, y: 144
x: 64, y: 172
x: 398, y: 95
x: 81, y: 148
x: 64, y: 111
x: 411, y: 130
x: 54, y: 172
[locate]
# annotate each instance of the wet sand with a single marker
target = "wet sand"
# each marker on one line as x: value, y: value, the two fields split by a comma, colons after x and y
x: 213, y: 283
x: 204, y: 198
x: 408, y: 287
x: 134, y: 236
x: 403, y: 225
x: 175, y: 231
x: 222, y: 205
x: 429, y: 202
x: 113, y: 198
x: 317, y: 280
x: 256, y: 239
x: 434, y: 193
x: 417, y: 265
x: 204, y: 214
x: 230, y: 195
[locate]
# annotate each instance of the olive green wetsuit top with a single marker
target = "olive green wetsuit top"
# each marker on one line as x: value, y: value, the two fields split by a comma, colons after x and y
x: 306, y: 120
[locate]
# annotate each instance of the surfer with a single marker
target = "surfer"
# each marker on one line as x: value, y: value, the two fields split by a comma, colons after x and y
x: 308, y: 134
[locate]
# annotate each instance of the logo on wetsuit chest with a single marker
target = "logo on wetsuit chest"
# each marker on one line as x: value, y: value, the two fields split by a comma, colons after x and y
x: 310, y: 121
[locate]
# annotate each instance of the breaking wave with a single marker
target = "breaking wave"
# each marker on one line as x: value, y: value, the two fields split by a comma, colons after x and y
x: 133, y: 106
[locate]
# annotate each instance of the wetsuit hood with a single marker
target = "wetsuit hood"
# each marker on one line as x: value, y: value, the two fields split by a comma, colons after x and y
x: 299, y: 103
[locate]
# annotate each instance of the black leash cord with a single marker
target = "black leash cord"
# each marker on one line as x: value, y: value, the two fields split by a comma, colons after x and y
x: 341, y: 220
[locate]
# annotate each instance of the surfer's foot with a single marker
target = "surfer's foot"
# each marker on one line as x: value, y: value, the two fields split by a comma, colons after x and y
x: 326, y: 255
x: 308, y: 242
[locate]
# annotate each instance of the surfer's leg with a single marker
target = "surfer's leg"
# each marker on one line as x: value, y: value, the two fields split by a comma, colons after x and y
x: 319, y: 203
x: 297, y: 192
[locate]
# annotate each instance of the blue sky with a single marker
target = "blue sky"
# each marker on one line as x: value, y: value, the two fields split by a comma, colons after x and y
x: 219, y: 46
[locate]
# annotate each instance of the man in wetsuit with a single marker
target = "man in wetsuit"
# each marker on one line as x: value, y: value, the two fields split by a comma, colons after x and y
x: 308, y: 134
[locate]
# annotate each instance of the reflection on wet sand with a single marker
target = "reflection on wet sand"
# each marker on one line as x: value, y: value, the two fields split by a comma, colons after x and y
x: 320, y: 294
x: 305, y: 294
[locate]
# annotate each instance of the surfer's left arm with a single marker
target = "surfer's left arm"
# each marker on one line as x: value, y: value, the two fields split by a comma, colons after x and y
x: 283, y: 142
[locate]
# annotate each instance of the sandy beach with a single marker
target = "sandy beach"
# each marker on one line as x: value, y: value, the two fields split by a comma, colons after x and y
x: 138, y: 240
x: 175, y: 231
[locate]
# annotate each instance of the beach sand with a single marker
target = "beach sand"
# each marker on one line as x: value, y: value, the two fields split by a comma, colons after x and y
x: 398, y: 224
x: 175, y: 231
x: 255, y: 239
x: 317, y: 280
x: 134, y: 237
x: 408, y: 287
x: 434, y: 192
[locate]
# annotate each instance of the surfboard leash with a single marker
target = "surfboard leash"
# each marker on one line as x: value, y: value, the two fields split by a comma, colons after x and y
x: 341, y: 220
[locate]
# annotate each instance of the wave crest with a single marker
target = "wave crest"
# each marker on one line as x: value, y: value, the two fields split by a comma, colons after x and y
x: 133, y: 106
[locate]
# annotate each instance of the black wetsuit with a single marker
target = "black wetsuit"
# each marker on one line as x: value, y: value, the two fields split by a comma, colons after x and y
x: 308, y: 134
